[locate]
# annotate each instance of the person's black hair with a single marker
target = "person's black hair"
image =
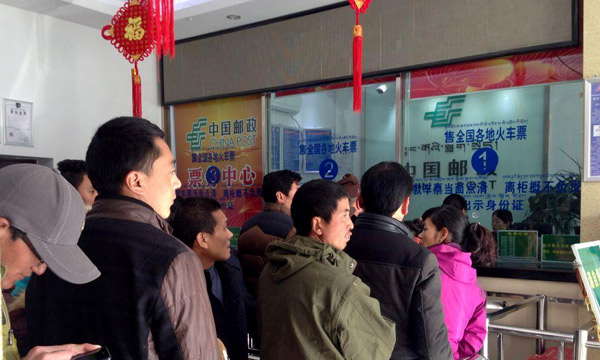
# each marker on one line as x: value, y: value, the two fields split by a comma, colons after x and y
x: 16, y: 234
x: 175, y: 208
x: 504, y: 215
x: 456, y: 201
x: 119, y: 146
x: 275, y: 181
x: 384, y: 187
x: 415, y: 226
x: 73, y: 171
x: 315, y: 198
x: 474, y: 238
x: 194, y: 216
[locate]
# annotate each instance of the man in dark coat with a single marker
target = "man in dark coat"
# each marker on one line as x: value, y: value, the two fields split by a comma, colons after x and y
x: 201, y: 224
x: 151, y: 300
x: 403, y: 275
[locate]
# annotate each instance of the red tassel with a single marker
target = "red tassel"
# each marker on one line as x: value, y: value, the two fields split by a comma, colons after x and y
x: 357, y: 66
x: 136, y: 86
x: 165, y: 30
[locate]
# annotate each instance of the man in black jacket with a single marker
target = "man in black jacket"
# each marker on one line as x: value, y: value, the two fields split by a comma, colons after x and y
x: 402, y: 275
x: 151, y: 300
x: 201, y: 224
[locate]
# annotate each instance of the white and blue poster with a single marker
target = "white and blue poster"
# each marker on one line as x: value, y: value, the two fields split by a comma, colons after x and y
x: 317, y: 142
x: 498, y: 149
x: 275, y: 147
x: 291, y: 141
x: 592, y: 125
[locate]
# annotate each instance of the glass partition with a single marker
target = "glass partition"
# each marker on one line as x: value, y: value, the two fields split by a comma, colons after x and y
x: 516, y: 149
x: 316, y: 133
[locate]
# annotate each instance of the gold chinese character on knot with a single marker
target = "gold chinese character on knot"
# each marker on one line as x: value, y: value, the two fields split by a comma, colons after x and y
x: 134, y: 30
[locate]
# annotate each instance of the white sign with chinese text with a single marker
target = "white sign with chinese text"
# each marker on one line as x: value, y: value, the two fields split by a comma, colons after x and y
x: 18, y: 125
x: 498, y: 149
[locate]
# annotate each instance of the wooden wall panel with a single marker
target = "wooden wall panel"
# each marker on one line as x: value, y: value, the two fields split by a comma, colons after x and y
x: 398, y: 35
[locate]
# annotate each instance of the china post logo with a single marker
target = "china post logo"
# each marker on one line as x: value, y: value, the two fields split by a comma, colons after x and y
x: 196, y: 136
x: 444, y: 113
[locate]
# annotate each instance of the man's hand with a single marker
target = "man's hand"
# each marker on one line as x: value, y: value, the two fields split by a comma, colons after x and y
x: 58, y: 352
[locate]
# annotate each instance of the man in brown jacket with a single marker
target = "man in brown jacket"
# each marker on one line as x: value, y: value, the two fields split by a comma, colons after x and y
x: 151, y: 300
x: 274, y: 223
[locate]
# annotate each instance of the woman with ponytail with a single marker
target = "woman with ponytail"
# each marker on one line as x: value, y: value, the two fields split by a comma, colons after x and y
x: 457, y: 244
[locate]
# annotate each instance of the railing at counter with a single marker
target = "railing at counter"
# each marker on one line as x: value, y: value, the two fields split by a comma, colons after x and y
x: 579, y: 338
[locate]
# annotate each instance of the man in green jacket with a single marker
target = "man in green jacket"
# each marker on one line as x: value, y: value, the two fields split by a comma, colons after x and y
x: 310, y: 305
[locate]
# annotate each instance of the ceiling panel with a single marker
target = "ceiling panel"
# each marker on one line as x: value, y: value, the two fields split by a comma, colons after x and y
x: 192, y: 17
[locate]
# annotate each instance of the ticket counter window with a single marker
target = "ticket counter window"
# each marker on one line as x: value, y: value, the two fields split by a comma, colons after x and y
x: 516, y: 149
x: 318, y: 135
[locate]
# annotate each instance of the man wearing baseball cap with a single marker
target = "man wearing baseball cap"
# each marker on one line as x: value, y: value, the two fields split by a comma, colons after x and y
x: 41, y: 216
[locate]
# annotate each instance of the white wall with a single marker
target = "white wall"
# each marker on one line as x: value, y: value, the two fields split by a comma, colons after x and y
x: 75, y: 79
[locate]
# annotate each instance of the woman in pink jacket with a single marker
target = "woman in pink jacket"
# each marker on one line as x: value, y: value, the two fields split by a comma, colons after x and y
x: 457, y: 244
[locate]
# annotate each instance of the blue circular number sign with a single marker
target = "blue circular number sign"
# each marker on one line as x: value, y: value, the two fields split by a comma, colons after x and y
x: 328, y: 169
x: 485, y: 161
x: 213, y: 175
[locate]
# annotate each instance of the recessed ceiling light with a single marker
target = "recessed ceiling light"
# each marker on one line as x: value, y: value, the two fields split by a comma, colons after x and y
x: 234, y: 17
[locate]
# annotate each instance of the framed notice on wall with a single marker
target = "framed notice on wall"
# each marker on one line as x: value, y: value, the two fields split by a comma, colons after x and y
x: 18, y: 125
x: 591, y: 157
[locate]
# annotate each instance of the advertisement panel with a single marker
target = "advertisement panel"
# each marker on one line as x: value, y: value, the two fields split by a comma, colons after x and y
x: 543, y: 67
x: 219, y: 153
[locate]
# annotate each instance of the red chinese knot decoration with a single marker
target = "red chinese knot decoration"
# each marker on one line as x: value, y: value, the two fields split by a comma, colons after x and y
x: 139, y: 27
x: 360, y: 6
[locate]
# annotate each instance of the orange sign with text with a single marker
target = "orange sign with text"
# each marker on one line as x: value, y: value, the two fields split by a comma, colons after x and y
x: 219, y: 153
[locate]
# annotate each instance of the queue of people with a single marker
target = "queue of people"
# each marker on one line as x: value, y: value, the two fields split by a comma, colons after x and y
x: 327, y: 271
